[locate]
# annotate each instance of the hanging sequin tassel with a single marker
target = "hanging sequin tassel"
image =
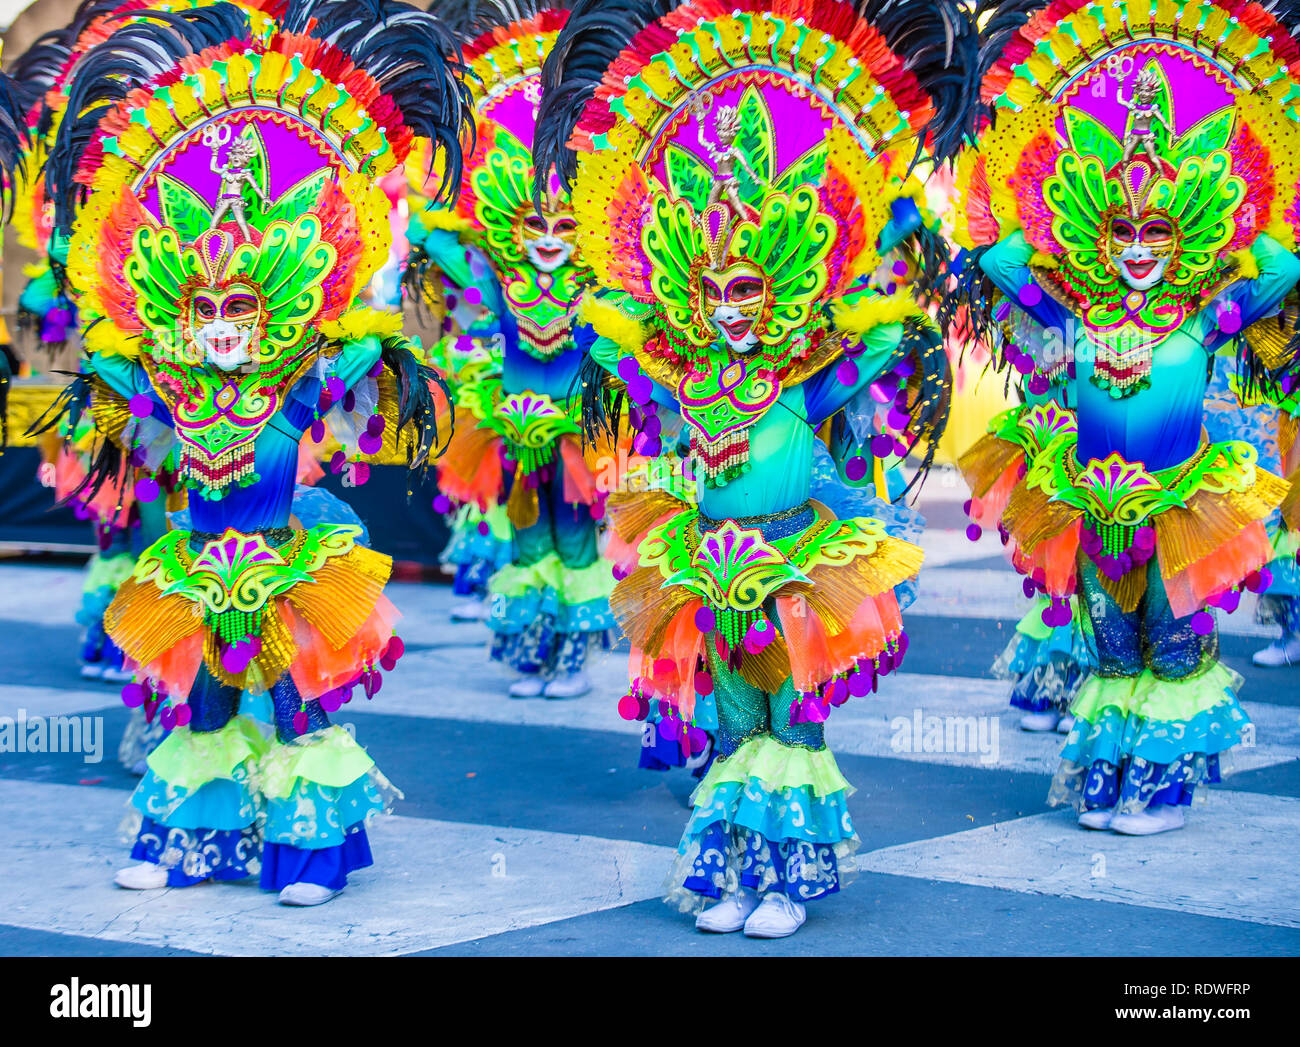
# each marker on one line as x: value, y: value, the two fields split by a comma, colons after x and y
x: 724, y: 459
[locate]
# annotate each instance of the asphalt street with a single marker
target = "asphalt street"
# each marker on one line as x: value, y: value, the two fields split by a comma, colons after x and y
x: 527, y: 828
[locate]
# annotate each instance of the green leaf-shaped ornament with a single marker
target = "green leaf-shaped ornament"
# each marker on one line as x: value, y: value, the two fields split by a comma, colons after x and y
x: 756, y: 143
x: 1204, y: 137
x: 182, y: 208
x: 259, y: 167
x: 1090, y: 137
x: 806, y: 170
x: 689, y: 178
x: 298, y: 199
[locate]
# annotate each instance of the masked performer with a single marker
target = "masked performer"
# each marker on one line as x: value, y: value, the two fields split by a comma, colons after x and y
x: 1139, y: 244
x: 1264, y: 413
x: 129, y: 508
x: 756, y: 325
x: 239, y: 343
x: 1052, y: 652
x: 466, y: 353
x: 520, y: 442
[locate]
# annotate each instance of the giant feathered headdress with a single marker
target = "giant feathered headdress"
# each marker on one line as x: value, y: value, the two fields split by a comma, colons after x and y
x: 754, y: 150
x: 503, y: 45
x: 221, y: 161
x: 1167, y: 125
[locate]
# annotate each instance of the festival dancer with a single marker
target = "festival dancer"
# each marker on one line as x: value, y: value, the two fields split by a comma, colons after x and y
x: 1263, y: 415
x: 238, y: 345
x: 518, y: 431
x: 1136, y: 269
x: 755, y: 326
x: 1052, y: 652
x: 128, y: 510
x: 467, y: 353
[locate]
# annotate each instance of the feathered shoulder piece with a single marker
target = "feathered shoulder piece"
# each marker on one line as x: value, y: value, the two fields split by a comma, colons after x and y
x: 743, y: 153
x: 1147, y: 134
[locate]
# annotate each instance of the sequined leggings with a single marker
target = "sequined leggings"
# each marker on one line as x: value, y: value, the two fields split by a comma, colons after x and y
x: 569, y: 532
x: 564, y: 529
x: 1149, y: 637
x: 745, y: 712
x: 214, y: 704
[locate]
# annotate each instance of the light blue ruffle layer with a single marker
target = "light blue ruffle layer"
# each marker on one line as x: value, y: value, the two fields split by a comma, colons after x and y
x: 221, y: 803
x: 314, y: 816
x: 1117, y: 736
x: 792, y: 813
x: 514, y: 614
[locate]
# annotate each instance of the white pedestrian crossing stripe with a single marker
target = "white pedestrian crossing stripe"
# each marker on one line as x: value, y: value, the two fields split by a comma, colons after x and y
x: 434, y: 883
x: 1234, y: 859
x: 438, y: 883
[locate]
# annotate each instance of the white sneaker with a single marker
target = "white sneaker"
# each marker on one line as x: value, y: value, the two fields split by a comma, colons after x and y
x: 527, y: 686
x: 575, y: 685
x: 118, y: 675
x: 1285, y: 650
x: 727, y: 915
x: 143, y: 877
x: 1153, y: 820
x: 776, y: 917
x: 139, y: 767
x: 307, y: 894
x: 1066, y: 724
x: 470, y: 611
x: 1097, y: 818
x: 1047, y: 720
x: 92, y: 670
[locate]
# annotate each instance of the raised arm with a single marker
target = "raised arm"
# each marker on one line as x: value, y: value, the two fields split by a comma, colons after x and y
x: 124, y: 376
x: 1255, y: 298
x: 356, y: 360
x: 825, y: 393
x: 607, y: 354
x: 1007, y: 265
x: 453, y: 259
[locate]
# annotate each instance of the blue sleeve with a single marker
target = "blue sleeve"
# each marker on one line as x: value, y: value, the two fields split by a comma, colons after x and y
x: 906, y: 221
x: 128, y: 378
x: 824, y: 393
x: 1279, y: 271
x: 125, y: 376
x: 607, y: 353
x: 451, y: 257
x: 356, y: 360
x: 351, y: 366
x: 1007, y: 265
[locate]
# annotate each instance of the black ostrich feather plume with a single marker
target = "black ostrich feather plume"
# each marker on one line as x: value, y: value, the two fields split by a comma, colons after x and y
x: 14, y: 140
x: 470, y: 19
x: 36, y: 69
x: 417, y: 406
x: 597, y: 31
x: 414, y: 59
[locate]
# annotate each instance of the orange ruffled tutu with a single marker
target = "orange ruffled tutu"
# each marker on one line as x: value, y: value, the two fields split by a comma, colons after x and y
x: 838, y: 621
x: 1205, y: 517
x: 251, y: 610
